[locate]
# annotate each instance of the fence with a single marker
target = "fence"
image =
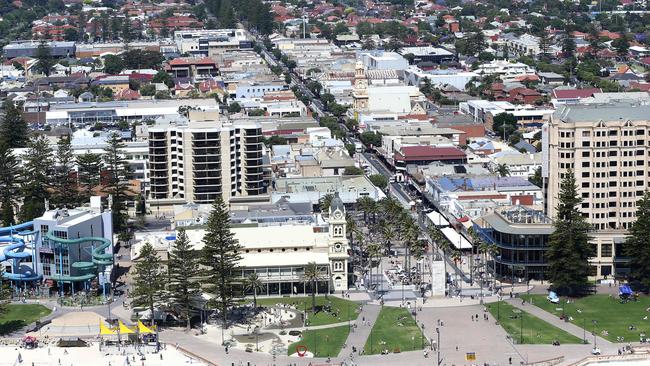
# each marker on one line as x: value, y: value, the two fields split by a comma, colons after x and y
x: 549, y: 362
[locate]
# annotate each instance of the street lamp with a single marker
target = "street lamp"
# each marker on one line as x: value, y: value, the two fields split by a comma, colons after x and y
x: 257, y: 333
x: 521, y: 328
x: 422, y: 337
x: 498, y: 308
x: 438, y: 347
x: 349, y: 326
x: 593, y: 331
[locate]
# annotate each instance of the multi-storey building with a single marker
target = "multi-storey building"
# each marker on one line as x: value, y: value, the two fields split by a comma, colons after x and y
x: 278, y: 252
x: 208, y: 42
x: 205, y: 159
x: 606, y: 146
x: 521, y: 235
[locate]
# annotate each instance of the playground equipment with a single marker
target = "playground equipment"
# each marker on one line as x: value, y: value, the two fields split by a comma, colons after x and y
x: 88, y: 270
x: 15, y: 252
x: 20, y: 237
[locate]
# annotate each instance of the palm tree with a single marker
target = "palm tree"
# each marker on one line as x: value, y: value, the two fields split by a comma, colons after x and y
x: 253, y: 283
x: 439, y: 239
x: 410, y: 235
x: 312, y: 275
x: 367, y: 205
x: 373, y: 252
x: 493, y: 250
x: 456, y: 255
x: 387, y: 233
x: 503, y: 170
x: 351, y: 227
x: 324, y: 203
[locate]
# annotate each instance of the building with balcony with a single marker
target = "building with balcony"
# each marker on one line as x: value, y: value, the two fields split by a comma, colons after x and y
x: 203, y: 160
x: 606, y: 147
x: 208, y: 42
x: 521, y: 235
x: 196, y: 68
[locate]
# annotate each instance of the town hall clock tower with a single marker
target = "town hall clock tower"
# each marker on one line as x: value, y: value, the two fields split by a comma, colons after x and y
x: 338, y: 244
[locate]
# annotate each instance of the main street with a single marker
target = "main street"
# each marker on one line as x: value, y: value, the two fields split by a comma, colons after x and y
x: 396, y: 189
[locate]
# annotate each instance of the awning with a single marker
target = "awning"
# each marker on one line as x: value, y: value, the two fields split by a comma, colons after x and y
x: 123, y: 329
x: 104, y: 330
x: 437, y: 219
x: 456, y: 239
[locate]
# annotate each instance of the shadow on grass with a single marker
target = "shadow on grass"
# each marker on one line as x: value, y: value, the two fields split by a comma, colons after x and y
x: 11, y: 326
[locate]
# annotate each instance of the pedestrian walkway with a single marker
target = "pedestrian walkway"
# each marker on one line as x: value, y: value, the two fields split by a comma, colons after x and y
x: 365, y: 321
x: 554, y: 320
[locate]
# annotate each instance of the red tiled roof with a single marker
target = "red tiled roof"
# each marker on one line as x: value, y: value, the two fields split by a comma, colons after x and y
x: 127, y: 94
x: 526, y: 91
x: 641, y: 86
x: 139, y: 76
x: 182, y: 61
x: 429, y: 153
x: 575, y: 93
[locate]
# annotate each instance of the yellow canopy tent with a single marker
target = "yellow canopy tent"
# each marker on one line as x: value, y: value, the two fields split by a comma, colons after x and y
x: 143, y: 329
x: 104, y: 330
x: 123, y: 329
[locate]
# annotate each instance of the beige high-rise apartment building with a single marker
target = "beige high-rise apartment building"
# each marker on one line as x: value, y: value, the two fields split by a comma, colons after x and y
x: 207, y: 158
x: 607, y: 147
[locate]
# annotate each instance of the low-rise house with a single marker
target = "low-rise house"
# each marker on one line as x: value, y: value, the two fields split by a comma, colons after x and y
x: 518, y: 164
x: 424, y: 155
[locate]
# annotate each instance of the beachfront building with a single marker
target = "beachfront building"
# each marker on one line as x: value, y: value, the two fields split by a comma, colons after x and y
x: 278, y: 251
x: 521, y: 236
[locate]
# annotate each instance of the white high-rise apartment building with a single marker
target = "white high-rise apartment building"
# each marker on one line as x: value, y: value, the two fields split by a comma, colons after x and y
x: 207, y: 158
x: 607, y: 147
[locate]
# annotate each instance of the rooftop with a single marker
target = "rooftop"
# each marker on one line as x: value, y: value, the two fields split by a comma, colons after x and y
x: 482, y: 183
x: 602, y: 112
x: 519, y: 220
x: 430, y: 152
x: 324, y: 184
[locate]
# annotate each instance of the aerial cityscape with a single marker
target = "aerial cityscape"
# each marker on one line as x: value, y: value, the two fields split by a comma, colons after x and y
x: 325, y: 182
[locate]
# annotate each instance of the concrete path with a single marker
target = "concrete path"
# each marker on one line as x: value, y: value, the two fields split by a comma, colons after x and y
x: 358, y: 335
x: 554, y: 320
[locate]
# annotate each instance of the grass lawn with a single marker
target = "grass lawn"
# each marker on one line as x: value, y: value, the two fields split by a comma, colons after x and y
x: 613, y: 319
x: 19, y: 315
x: 322, y: 342
x: 536, y: 331
x: 338, y: 313
x: 395, y: 330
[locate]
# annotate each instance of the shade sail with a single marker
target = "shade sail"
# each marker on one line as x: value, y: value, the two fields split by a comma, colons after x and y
x: 104, y: 330
x: 143, y: 329
x: 123, y: 329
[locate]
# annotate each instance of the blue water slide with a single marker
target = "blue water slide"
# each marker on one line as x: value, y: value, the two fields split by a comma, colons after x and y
x: 15, y: 252
x: 15, y: 229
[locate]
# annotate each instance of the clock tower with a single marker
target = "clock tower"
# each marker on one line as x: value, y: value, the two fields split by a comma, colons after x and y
x: 338, y: 244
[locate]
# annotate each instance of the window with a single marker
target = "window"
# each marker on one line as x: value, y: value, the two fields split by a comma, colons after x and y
x: 338, y: 230
x: 606, y: 250
x: 338, y: 266
x: 60, y: 234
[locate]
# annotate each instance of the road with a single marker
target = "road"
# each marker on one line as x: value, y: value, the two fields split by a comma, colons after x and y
x: 396, y: 189
x: 315, y: 104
